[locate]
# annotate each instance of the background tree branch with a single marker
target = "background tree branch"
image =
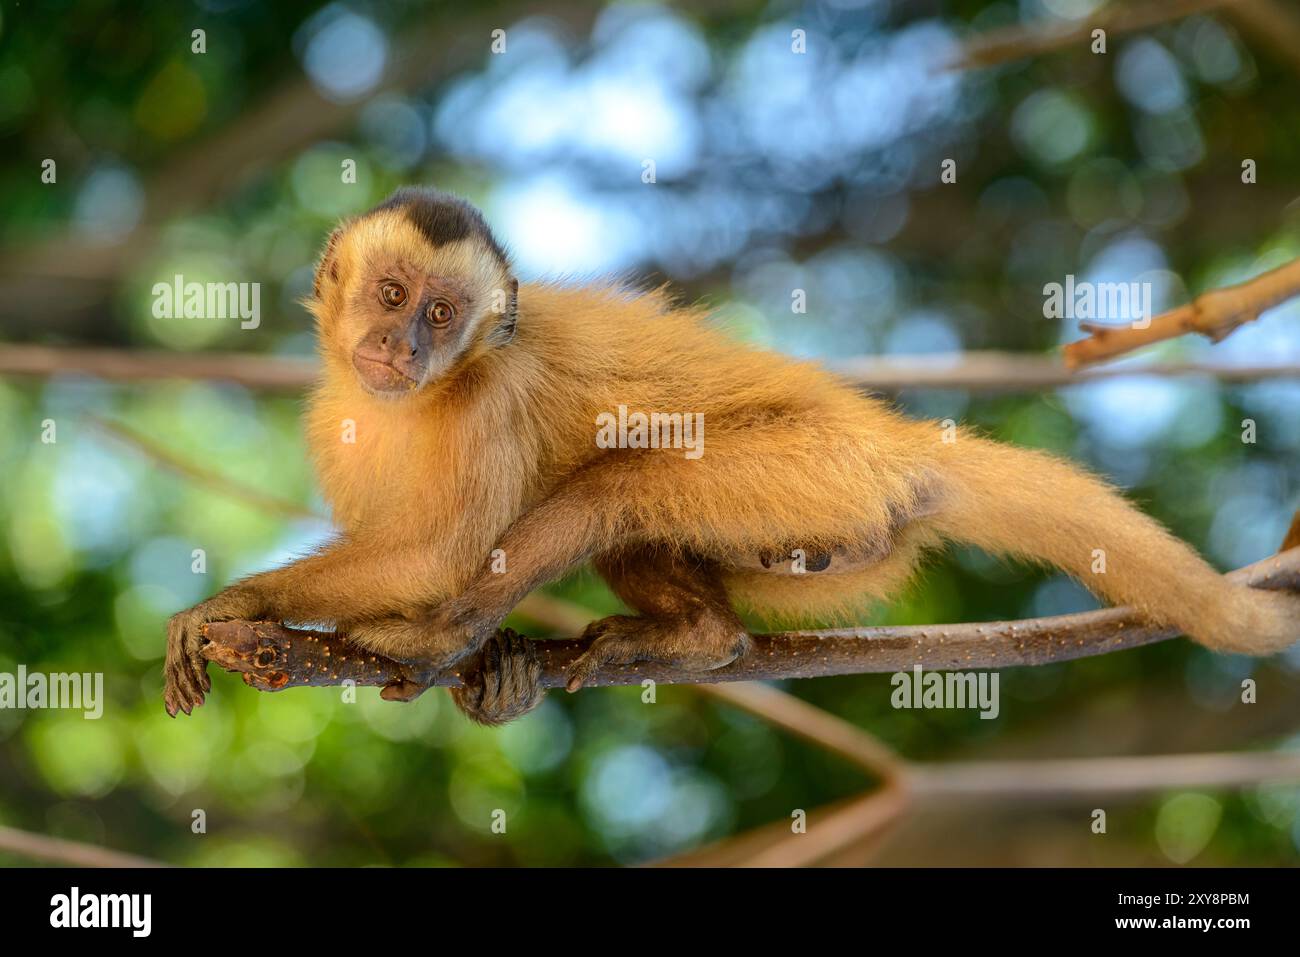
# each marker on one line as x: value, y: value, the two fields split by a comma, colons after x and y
x: 978, y: 371
x: 55, y: 850
x: 1022, y: 41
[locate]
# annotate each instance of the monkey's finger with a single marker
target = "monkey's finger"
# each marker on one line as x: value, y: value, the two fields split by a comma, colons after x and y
x: 611, y: 649
x: 199, y: 665
x: 525, y: 690
x: 402, y: 690
x: 186, y: 691
x: 175, y: 696
x: 194, y: 642
x: 469, y: 696
x: 494, y: 673
x: 191, y: 678
x: 178, y: 654
x: 582, y: 669
x: 522, y: 668
x: 175, y: 681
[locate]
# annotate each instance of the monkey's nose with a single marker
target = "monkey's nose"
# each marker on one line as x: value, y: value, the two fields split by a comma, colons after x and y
x: 415, y: 349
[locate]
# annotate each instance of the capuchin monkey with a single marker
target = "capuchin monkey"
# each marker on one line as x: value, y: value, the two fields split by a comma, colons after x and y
x: 462, y: 436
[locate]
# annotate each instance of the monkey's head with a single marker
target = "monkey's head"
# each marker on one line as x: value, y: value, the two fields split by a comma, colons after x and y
x: 412, y: 291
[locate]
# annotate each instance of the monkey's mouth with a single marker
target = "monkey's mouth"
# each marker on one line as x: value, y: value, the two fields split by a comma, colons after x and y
x: 383, y: 378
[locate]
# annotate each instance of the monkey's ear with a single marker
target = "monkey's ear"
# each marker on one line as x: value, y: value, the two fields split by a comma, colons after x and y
x: 328, y: 269
x: 506, y: 304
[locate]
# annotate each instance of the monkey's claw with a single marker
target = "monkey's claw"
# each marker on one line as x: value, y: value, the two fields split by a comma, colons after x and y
x: 504, y: 682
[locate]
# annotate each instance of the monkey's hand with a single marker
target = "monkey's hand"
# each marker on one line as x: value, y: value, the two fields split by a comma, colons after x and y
x: 503, y: 683
x: 185, y: 670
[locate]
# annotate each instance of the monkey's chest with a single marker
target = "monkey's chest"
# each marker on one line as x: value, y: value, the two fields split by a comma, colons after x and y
x: 368, y: 485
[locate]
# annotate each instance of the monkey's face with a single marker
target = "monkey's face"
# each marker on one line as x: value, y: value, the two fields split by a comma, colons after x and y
x: 410, y: 327
x: 403, y: 303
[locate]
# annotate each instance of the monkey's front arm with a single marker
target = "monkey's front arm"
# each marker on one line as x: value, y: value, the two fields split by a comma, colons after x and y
x: 685, y: 618
x: 361, y: 588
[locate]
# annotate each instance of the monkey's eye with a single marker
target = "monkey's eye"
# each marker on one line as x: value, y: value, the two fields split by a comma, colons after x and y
x: 392, y: 294
x: 440, y: 313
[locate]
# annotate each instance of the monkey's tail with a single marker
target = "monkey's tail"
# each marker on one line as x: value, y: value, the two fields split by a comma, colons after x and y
x: 1028, y: 504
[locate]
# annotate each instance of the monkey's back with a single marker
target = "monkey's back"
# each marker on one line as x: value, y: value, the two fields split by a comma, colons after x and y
x: 791, y: 457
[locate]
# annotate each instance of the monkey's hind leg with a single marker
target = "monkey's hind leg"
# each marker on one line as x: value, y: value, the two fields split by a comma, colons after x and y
x: 685, y: 617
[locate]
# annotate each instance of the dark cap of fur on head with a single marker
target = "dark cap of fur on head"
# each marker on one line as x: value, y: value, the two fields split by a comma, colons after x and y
x: 443, y: 218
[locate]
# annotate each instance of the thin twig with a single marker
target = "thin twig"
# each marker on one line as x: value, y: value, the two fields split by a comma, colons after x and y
x: 279, y: 124
x: 269, y: 373
x: 735, y: 850
x: 56, y: 850
x: 1086, y: 778
x: 811, y: 723
x: 868, y: 816
x: 199, y: 475
x: 860, y: 822
x: 1005, y: 372
x: 1271, y: 24
x: 1213, y: 314
x: 1025, y: 40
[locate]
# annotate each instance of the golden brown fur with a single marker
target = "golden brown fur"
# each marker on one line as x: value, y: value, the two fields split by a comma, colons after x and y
x: 498, y: 451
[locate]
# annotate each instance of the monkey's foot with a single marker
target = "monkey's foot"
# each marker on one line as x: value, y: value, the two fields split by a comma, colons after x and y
x: 503, y: 683
x: 696, y: 642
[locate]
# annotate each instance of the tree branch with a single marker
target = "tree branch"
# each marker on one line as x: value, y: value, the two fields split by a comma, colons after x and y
x: 1273, y: 25
x: 55, y: 850
x: 200, y: 476
x: 281, y: 123
x: 266, y: 372
x: 1025, y: 40
x: 1213, y: 314
x: 982, y: 371
x: 811, y: 723
x: 1063, y: 781
x: 272, y: 657
x: 862, y: 820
